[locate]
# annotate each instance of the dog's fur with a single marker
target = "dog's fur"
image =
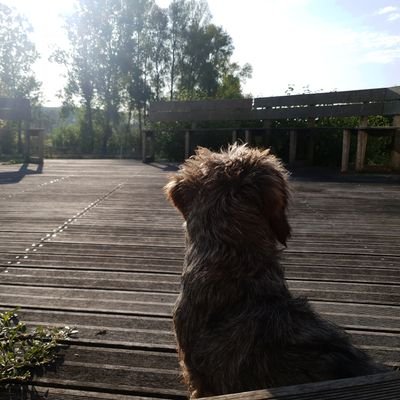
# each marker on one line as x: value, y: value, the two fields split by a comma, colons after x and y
x: 237, y: 325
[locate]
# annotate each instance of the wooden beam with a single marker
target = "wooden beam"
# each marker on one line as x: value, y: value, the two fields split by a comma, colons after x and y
x: 292, y: 146
x: 395, y: 157
x: 248, y: 137
x: 144, y: 146
x: 40, y: 146
x: 148, y: 147
x: 267, y: 135
x: 234, y: 136
x: 384, y: 101
x: 342, y: 97
x: 362, y: 138
x: 27, y: 147
x: 346, y: 150
x: 310, y: 145
x: 15, y: 109
x: 187, y: 144
x: 371, y: 387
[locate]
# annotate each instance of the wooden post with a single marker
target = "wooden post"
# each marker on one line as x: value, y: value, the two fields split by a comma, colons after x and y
x: 187, y: 144
x: 148, y: 146
x: 395, y: 159
x: 346, y: 150
x: 362, y: 138
x: 248, y: 137
x: 152, y: 146
x: 144, y: 147
x: 292, y: 146
x: 41, y: 146
x: 27, y: 144
x: 267, y: 134
x: 310, y: 150
x: 234, y: 136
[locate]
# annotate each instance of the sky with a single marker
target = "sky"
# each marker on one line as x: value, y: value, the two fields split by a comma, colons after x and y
x: 320, y: 45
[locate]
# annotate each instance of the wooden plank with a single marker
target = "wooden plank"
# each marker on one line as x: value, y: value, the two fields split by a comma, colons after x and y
x: 345, y: 150
x: 15, y: 109
x: 379, y: 386
x: 383, y: 101
x: 112, y: 270
x: 347, y: 110
x: 341, y: 97
x: 202, y: 115
x: 199, y: 105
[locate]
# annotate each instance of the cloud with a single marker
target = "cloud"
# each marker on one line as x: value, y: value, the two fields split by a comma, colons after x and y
x: 393, y: 17
x: 387, y: 10
x: 390, y: 12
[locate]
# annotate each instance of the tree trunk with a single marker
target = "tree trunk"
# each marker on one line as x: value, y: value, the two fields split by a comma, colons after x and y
x: 106, y: 137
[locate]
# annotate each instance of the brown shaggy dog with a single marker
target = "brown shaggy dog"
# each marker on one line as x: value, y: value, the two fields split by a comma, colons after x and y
x: 237, y: 325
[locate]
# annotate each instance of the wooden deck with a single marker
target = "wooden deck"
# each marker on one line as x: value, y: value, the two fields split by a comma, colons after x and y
x: 93, y: 244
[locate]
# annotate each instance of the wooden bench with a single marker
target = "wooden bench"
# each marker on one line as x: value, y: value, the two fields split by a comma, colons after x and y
x: 305, y: 107
x: 19, y: 109
x: 381, y: 386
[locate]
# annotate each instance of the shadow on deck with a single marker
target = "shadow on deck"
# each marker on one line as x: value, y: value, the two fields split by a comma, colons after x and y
x: 93, y: 244
x: 14, y: 176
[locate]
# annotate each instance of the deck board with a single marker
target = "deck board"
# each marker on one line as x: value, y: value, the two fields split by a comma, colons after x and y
x: 94, y: 244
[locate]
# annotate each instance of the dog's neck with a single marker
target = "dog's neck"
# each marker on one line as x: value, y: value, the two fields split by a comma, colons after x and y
x: 226, y: 248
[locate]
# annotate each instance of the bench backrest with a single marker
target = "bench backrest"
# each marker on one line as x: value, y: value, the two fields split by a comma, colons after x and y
x: 354, y: 103
x: 15, y: 109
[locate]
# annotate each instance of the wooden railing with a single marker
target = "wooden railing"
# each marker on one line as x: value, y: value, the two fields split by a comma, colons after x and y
x: 305, y: 107
x: 19, y: 109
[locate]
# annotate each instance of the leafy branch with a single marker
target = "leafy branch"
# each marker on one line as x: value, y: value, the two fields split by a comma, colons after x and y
x: 21, y: 350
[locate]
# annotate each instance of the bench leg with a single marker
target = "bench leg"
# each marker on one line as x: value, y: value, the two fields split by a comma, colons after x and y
x: 346, y: 150
x: 292, y: 146
x: 27, y: 149
x: 41, y: 147
x: 395, y: 159
x: 234, y: 136
x: 187, y: 144
x: 248, y: 137
x: 362, y: 138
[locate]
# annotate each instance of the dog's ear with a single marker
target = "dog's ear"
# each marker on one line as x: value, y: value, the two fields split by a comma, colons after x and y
x: 180, y: 193
x: 276, y: 197
x: 280, y: 227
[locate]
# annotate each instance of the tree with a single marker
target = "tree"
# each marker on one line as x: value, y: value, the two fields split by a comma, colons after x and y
x: 93, y: 65
x: 17, y: 56
x: 81, y: 75
x: 230, y: 86
x: 205, y: 58
x: 178, y: 13
x: 125, y: 53
x: 160, y: 55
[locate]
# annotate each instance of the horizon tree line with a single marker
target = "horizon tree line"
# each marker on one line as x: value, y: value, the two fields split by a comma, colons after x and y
x: 122, y: 54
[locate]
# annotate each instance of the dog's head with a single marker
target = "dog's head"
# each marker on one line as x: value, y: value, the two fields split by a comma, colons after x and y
x: 241, y: 182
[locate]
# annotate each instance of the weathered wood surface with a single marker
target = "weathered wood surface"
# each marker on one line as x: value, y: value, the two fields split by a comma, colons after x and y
x: 93, y: 244
x: 14, y: 109
x: 382, y: 101
x: 380, y: 386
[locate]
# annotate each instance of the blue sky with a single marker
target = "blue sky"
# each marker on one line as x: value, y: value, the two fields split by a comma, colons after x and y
x: 323, y: 44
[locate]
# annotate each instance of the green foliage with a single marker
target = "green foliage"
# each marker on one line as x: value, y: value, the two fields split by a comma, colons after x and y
x: 124, y: 54
x: 21, y: 350
x: 17, y: 56
x: 66, y: 139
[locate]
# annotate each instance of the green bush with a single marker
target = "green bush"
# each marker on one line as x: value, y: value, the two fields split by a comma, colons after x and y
x: 66, y: 139
x: 22, y: 350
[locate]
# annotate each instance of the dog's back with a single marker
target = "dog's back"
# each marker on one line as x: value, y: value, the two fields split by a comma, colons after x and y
x: 237, y: 325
